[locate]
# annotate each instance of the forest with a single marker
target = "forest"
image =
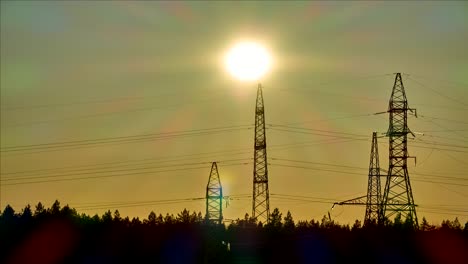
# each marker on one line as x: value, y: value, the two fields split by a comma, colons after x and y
x: 62, y: 235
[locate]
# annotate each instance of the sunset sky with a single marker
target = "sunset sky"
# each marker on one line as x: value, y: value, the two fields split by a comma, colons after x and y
x: 139, y: 99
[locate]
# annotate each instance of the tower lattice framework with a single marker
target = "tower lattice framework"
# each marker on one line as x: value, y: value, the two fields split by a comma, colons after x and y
x: 214, y: 196
x: 372, y: 200
x: 261, y: 199
x: 373, y: 204
x: 398, y: 196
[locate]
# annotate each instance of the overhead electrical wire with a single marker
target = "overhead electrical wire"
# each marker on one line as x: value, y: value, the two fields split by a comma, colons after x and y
x: 67, y: 145
x: 328, y: 119
x: 61, y: 174
x: 436, y: 92
x: 112, y: 175
x: 312, y: 129
x: 184, y: 157
x: 107, y: 113
x: 97, y: 101
x: 355, y: 173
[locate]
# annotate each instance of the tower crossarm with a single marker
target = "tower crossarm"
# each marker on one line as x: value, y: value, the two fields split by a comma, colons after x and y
x: 361, y: 200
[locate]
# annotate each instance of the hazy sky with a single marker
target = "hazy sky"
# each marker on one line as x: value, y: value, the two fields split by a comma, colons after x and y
x: 117, y: 71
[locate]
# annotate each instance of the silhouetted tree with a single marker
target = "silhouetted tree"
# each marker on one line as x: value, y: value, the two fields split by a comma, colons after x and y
x: 183, y: 217
x: 160, y: 220
x: 193, y: 218
x: 55, y: 208
x: 96, y: 218
x: 246, y: 222
x: 425, y: 226
x: 302, y: 224
x: 40, y: 210
x: 409, y: 223
x: 26, y: 215
x: 117, y: 217
x: 288, y: 221
x: 68, y: 212
x: 356, y: 225
x: 107, y: 217
x: 456, y: 224
x: 136, y: 221
x: 151, y: 219
x: 275, y: 219
x: 8, y: 215
x: 397, y: 221
x: 199, y: 217
x: 315, y: 224
x: 126, y: 222
x: 169, y: 219
x: 326, y: 222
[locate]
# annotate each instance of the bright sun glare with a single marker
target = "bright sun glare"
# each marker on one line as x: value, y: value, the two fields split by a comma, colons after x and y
x: 248, y: 61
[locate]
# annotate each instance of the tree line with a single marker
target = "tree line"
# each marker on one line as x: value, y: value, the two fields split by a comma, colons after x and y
x: 63, y: 235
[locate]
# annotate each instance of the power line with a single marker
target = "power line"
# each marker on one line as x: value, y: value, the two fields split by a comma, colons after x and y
x: 319, y: 163
x: 278, y: 147
x: 310, y: 168
x: 457, y: 84
x: 111, y: 171
x: 138, y: 204
x: 441, y: 144
x: 184, y: 157
x: 122, y: 137
x: 443, y: 119
x: 75, y: 103
x: 362, y: 168
x: 311, y: 129
x: 328, y: 119
x: 317, y: 134
x: 105, y: 114
x: 59, y: 146
x: 437, y: 92
x: 114, y: 175
x: 355, y: 173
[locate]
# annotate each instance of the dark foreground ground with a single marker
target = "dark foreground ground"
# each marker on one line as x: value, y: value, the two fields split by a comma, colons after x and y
x: 63, y: 236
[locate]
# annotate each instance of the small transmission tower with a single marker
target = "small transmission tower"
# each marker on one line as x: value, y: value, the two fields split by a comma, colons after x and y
x: 214, y: 197
x: 261, y: 199
x: 373, y: 205
x: 398, y: 196
x: 373, y: 197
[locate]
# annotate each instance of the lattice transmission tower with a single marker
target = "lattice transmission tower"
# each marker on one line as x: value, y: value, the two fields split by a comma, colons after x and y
x: 214, y: 197
x: 398, y: 196
x: 372, y: 200
x: 373, y: 203
x: 261, y: 199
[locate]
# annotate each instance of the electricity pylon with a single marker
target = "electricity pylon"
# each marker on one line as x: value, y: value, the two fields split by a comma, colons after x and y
x: 398, y: 196
x: 261, y: 199
x: 214, y: 197
x: 373, y: 197
x: 373, y: 206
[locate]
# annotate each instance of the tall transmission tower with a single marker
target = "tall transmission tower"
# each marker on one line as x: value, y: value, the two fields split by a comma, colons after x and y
x: 373, y: 197
x: 214, y: 196
x: 398, y: 196
x: 261, y: 199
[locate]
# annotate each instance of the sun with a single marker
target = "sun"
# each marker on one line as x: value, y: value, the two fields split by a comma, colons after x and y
x: 248, y: 61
